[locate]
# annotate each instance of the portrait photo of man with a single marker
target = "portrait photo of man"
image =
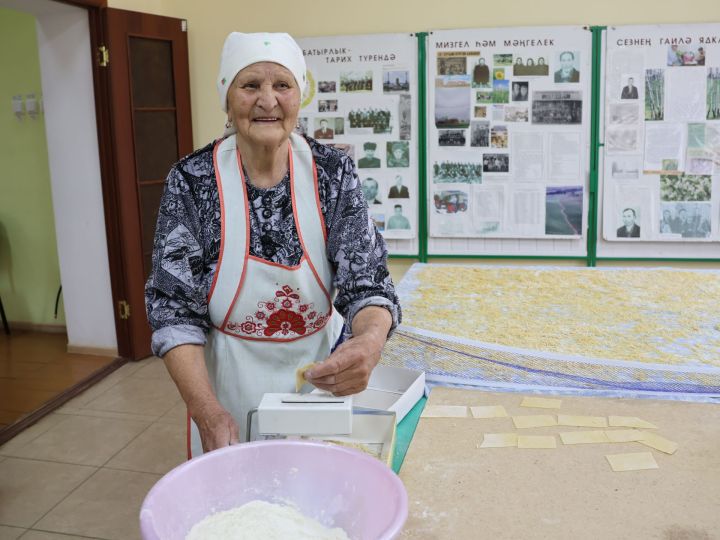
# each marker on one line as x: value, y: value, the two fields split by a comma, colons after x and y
x: 398, y: 190
x: 397, y: 220
x: 481, y: 73
x: 370, y: 188
x: 323, y: 131
x: 629, y: 91
x: 629, y: 229
x: 398, y: 154
x: 568, y: 72
x: 369, y: 161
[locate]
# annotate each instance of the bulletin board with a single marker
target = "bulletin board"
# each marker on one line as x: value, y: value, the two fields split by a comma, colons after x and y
x: 659, y: 188
x: 362, y: 98
x: 508, y: 141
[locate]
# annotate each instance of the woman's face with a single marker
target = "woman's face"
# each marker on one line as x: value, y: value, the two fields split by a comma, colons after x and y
x: 263, y: 104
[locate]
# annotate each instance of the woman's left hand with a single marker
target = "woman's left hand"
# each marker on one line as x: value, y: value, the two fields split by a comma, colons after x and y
x: 347, y: 370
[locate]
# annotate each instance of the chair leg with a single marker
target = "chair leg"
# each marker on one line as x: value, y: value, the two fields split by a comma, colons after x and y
x: 4, y: 319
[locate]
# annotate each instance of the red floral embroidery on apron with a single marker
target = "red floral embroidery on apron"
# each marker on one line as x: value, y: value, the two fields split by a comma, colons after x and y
x: 283, y: 316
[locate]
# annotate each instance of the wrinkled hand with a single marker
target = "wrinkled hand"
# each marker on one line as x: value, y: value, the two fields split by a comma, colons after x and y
x: 217, y: 427
x: 347, y: 370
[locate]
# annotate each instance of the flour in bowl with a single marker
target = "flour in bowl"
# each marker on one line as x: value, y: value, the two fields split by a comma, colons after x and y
x: 260, y: 520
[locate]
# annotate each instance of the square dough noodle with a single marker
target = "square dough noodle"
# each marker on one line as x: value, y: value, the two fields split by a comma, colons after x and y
x: 499, y: 440
x: 582, y: 421
x: 541, y: 403
x: 488, y: 411
x: 632, y: 462
x: 584, y: 437
x: 536, y: 441
x: 531, y: 421
x: 630, y: 421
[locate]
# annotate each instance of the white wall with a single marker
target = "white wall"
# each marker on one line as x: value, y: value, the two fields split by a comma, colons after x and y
x: 68, y: 96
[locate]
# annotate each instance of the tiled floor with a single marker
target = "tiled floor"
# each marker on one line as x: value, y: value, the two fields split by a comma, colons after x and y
x: 84, y: 470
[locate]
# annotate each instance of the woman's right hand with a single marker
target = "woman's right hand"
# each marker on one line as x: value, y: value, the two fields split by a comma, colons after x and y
x: 217, y: 427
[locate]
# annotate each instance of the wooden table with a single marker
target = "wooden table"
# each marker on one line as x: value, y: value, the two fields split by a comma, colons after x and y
x: 457, y: 490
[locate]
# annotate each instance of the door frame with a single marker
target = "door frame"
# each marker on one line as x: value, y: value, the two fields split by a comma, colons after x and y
x: 101, y: 87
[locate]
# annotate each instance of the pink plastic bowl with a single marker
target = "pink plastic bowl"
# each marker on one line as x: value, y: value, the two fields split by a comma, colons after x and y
x: 337, y: 486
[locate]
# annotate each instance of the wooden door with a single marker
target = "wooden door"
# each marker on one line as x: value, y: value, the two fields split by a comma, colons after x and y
x: 150, y: 128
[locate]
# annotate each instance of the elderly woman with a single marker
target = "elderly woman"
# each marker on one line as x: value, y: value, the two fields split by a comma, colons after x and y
x: 265, y: 258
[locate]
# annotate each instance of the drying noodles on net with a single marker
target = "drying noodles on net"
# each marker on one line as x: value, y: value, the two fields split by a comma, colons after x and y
x: 638, y: 332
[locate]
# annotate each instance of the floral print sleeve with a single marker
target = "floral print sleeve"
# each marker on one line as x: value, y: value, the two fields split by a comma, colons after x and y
x: 187, y: 244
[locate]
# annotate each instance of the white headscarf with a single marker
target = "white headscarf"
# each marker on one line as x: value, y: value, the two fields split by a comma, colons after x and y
x: 240, y: 50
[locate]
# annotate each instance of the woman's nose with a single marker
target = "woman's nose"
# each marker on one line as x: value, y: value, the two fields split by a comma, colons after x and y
x: 267, y: 99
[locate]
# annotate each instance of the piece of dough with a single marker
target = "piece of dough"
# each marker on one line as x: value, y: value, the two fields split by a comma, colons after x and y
x: 258, y: 520
x: 488, y: 411
x: 584, y: 437
x: 582, y: 421
x: 659, y: 443
x: 300, y: 376
x: 541, y: 403
x: 623, y: 435
x: 499, y: 440
x: 630, y: 421
x: 444, y: 411
x: 536, y: 441
x: 637, y: 461
x: 534, y: 420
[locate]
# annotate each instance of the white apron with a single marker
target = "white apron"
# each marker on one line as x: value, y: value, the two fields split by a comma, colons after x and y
x: 268, y: 319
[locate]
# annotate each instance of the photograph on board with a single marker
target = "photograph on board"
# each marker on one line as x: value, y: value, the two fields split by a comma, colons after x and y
x: 480, y: 134
x: 685, y: 55
x: 654, y: 94
x: 531, y: 67
x: 327, y: 105
x: 569, y: 62
x: 369, y: 161
x: 685, y: 187
x: 398, y: 153
x: 452, y: 65
x: 327, y: 87
x: 481, y: 74
x: 397, y: 220
x: 451, y: 108
x: 713, y: 94
x: 503, y: 59
x: 563, y: 210
x: 451, y: 137
x: 356, y: 81
x: 629, y: 217
x: 629, y: 89
x: 496, y: 163
x: 625, y: 167
x: 405, y: 116
x: 450, y: 201
x: 686, y: 219
x: 501, y: 91
x: 516, y: 114
x: 328, y: 128
x: 369, y: 120
x: 396, y: 81
x: 398, y: 190
x: 520, y: 90
x: 557, y: 107
x: 499, y: 136
x: 463, y: 172
x: 371, y: 190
